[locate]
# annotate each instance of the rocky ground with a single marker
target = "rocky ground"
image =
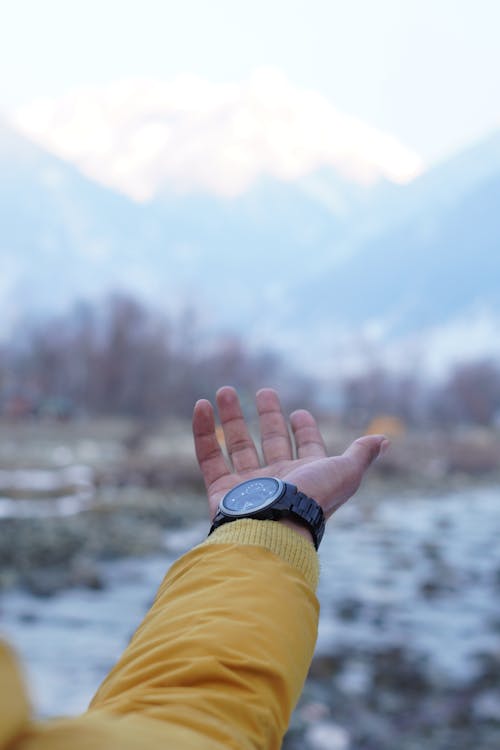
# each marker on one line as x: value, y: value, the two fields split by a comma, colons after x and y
x: 49, y: 553
x: 388, y: 699
x: 409, y: 645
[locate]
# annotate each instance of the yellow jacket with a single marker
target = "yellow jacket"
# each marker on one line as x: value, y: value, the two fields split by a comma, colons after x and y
x: 218, y: 662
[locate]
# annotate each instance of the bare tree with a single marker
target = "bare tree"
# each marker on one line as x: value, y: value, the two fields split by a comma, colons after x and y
x: 120, y: 357
x: 470, y: 394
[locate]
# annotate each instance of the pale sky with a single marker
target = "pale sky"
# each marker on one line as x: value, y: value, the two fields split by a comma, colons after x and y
x: 424, y: 71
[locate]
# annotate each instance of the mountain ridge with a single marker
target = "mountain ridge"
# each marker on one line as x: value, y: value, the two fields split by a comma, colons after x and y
x: 274, y: 264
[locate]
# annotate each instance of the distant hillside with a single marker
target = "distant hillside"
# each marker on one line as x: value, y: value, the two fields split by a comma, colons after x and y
x: 289, y: 263
x: 64, y: 236
x: 439, y: 259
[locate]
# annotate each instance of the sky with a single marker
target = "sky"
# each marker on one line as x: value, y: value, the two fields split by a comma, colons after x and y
x: 425, y: 71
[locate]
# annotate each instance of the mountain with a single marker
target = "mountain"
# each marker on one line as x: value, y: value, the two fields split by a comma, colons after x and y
x: 437, y: 259
x: 439, y: 188
x: 191, y: 135
x: 60, y: 231
x: 65, y: 236
x: 299, y: 265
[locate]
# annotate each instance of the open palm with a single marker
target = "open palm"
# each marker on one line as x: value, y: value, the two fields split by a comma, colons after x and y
x: 329, y: 480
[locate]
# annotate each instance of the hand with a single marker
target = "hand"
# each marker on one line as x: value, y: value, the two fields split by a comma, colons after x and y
x: 329, y: 480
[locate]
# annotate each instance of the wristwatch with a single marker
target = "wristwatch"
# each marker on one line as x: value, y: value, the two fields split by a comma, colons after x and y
x: 269, y: 498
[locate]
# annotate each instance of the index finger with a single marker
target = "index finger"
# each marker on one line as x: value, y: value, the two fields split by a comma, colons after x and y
x: 208, y: 451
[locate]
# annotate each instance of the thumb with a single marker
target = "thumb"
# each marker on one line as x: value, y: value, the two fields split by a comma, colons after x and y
x: 350, y: 468
x: 363, y: 451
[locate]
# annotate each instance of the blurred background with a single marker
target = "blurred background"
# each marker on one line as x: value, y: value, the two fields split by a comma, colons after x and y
x: 301, y: 195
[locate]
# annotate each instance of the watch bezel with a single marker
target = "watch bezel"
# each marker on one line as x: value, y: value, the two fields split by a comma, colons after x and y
x: 265, y: 504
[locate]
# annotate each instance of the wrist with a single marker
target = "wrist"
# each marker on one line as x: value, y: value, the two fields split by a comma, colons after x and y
x: 286, y: 542
x: 297, y: 527
x: 272, y: 499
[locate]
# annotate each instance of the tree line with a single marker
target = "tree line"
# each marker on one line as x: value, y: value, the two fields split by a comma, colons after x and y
x: 469, y: 394
x: 119, y: 357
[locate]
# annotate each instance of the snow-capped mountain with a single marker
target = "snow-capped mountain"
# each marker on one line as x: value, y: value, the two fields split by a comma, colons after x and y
x: 299, y: 263
x: 436, y: 256
x: 141, y: 136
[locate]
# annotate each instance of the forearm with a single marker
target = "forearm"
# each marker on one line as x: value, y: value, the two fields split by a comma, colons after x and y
x: 226, y: 647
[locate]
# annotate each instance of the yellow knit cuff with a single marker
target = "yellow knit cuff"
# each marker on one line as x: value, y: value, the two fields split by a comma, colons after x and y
x: 276, y: 537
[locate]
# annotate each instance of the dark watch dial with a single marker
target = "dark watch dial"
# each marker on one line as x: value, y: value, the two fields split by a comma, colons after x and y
x: 251, y: 496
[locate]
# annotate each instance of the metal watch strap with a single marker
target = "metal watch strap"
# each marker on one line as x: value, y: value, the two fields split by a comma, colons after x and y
x: 307, y: 512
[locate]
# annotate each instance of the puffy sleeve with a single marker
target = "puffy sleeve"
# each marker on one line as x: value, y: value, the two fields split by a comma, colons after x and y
x: 221, y: 657
x: 226, y: 646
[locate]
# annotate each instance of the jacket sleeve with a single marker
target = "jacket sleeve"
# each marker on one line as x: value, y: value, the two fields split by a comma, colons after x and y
x: 227, y: 644
x: 221, y: 658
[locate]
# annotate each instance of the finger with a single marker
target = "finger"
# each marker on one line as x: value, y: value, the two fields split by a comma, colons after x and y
x: 240, y: 445
x: 208, y: 451
x: 275, y: 438
x: 349, y: 468
x: 364, y: 451
x: 308, y: 438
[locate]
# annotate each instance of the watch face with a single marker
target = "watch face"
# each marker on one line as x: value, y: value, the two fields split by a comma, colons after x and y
x: 251, y: 496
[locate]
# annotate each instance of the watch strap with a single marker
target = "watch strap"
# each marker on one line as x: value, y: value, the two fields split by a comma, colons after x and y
x: 304, y: 510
